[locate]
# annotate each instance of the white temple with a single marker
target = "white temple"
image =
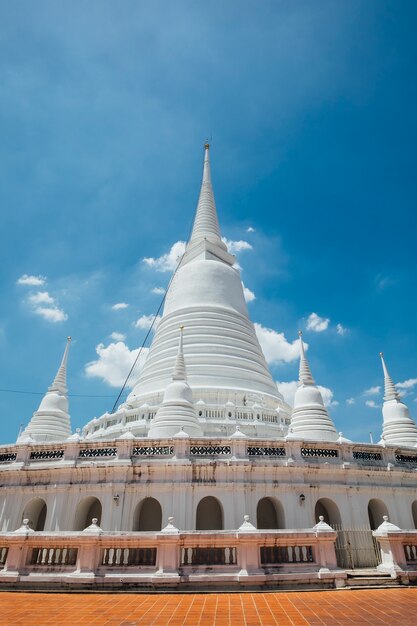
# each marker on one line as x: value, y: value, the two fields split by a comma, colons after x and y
x: 204, y: 476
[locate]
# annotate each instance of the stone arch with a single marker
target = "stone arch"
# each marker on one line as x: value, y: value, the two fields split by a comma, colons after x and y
x: 270, y: 514
x: 376, y: 510
x: 147, y: 515
x: 329, y: 510
x: 87, y: 509
x: 414, y: 512
x: 35, y: 511
x: 209, y: 514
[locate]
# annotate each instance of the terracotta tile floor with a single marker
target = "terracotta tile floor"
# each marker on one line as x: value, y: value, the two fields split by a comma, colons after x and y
x: 333, y: 608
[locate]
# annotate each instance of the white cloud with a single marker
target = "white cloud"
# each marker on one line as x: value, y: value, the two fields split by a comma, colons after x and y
x: 234, y: 247
x: 372, y: 404
x: 41, y: 297
x: 51, y: 314
x: 250, y: 229
x: 249, y: 295
x: 32, y: 281
x: 341, y: 330
x: 160, y: 291
x: 114, y: 363
x: 407, y: 384
x: 119, y: 305
x: 275, y: 346
x: 288, y: 390
x: 350, y: 401
x: 169, y: 261
x: 316, y: 323
x: 44, y: 304
x: 145, y: 322
x: 372, y: 391
x: 118, y: 336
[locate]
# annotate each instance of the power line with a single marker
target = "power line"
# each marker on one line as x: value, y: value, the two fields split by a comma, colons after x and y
x: 156, y: 314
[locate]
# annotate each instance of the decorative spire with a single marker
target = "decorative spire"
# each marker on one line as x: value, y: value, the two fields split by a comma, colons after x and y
x: 179, y: 372
x: 390, y: 391
x: 51, y: 422
x: 310, y: 418
x: 206, y: 223
x: 177, y: 410
x: 305, y: 376
x: 60, y: 380
x: 398, y: 428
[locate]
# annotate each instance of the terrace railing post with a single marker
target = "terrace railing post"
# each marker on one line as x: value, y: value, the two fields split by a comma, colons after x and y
x: 168, y: 554
x: 326, y: 549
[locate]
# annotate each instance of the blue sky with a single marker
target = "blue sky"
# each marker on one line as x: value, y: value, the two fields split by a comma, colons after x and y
x: 104, y: 109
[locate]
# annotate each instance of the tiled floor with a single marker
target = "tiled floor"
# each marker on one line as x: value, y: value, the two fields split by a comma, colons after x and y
x: 393, y: 607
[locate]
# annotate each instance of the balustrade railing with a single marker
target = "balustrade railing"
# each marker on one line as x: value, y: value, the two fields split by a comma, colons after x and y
x: 410, y: 551
x: 208, y: 556
x: 53, y: 556
x: 278, y: 555
x: 129, y: 557
x: 3, y: 556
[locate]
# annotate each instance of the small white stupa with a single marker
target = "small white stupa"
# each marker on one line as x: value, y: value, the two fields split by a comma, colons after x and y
x: 51, y: 422
x: 398, y: 427
x: 177, y: 410
x: 310, y: 418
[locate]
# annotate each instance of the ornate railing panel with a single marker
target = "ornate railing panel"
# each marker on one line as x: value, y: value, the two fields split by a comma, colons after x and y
x: 129, y: 557
x: 8, y: 457
x: 210, y: 450
x: 153, y: 450
x: 91, y: 453
x: 367, y: 456
x: 406, y: 458
x: 265, y: 451
x: 53, y: 556
x: 276, y: 555
x: 208, y: 556
x: 46, y: 455
x: 319, y: 452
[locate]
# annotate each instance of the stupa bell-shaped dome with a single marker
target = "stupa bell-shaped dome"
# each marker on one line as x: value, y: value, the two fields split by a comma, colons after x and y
x: 310, y: 418
x: 398, y: 427
x: 51, y: 422
x: 177, y: 410
x: 224, y: 358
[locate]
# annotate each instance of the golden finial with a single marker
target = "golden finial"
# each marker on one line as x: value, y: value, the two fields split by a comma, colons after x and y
x: 182, y: 328
x: 381, y: 354
x: 207, y: 145
x: 300, y: 333
x: 69, y: 338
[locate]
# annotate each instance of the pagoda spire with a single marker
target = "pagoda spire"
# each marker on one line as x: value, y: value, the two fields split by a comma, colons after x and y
x: 51, y: 422
x: 60, y: 380
x: 179, y: 372
x: 310, y: 418
x: 398, y: 427
x: 390, y: 391
x: 206, y: 223
x: 177, y: 412
x: 305, y: 377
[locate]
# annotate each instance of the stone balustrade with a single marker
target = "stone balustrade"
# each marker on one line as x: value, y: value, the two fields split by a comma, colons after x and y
x: 339, y: 454
x: 169, y: 558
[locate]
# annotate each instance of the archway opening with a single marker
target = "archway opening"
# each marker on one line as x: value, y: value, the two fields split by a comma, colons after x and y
x: 376, y: 512
x: 330, y: 511
x: 87, y: 509
x: 269, y: 514
x: 148, y: 515
x: 414, y: 512
x: 209, y: 514
x: 35, y: 512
